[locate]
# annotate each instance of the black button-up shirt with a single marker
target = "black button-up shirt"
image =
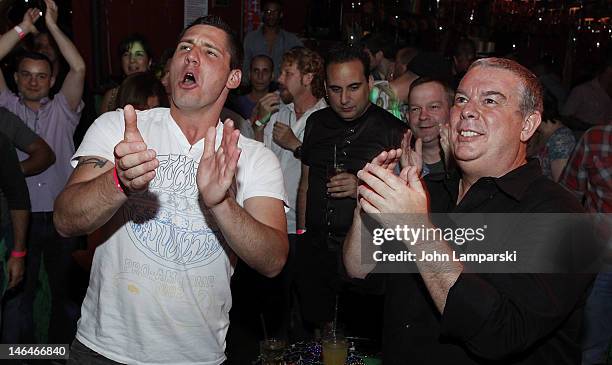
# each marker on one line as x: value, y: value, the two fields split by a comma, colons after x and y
x: 490, y: 318
x: 355, y: 143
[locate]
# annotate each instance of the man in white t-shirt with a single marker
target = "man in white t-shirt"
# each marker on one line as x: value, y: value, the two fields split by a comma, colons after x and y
x: 171, y: 212
x: 302, y: 91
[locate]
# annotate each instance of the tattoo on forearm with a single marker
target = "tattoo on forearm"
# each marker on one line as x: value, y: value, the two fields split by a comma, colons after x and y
x: 95, y: 161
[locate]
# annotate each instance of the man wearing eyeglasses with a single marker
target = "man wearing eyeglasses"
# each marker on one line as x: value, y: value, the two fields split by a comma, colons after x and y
x: 269, y: 39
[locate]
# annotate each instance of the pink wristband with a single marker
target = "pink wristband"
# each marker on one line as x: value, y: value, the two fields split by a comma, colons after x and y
x: 18, y: 254
x: 117, y: 182
x: 300, y: 231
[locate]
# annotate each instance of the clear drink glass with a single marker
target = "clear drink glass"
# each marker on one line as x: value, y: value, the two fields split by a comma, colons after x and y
x: 335, y: 350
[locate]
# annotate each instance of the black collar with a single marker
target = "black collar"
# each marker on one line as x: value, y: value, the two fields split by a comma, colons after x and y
x: 516, y: 182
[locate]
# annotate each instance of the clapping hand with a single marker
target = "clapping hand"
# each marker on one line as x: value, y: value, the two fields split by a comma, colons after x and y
x: 217, y: 169
x: 411, y: 157
x: 29, y: 18
x: 384, y: 192
x: 388, y: 159
x: 51, y: 13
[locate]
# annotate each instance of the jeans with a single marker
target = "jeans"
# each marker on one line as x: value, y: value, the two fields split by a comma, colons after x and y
x: 81, y: 354
x: 598, y: 321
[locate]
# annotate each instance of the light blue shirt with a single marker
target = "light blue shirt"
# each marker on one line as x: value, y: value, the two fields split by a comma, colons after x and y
x: 255, y: 45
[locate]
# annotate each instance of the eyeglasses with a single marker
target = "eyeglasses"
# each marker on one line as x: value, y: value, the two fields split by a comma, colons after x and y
x: 271, y: 11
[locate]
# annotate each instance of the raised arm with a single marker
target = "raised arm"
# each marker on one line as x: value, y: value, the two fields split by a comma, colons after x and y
x: 11, y: 38
x: 261, y: 114
x: 72, y: 88
x: 92, y: 195
x: 257, y: 233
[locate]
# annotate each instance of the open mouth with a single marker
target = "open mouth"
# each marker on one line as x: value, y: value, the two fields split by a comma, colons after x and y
x: 189, y: 79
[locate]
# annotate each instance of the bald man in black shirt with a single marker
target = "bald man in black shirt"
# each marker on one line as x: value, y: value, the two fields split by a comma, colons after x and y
x: 338, y: 142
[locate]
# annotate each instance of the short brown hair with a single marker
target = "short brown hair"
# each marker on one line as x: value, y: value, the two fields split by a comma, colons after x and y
x: 450, y: 93
x: 36, y: 56
x: 531, y: 90
x: 308, y: 61
x: 235, y: 48
x: 138, y: 87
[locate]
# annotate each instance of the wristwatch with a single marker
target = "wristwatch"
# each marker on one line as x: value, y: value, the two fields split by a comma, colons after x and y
x: 297, y: 152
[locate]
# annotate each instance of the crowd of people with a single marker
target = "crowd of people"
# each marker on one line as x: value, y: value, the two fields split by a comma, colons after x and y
x: 232, y: 195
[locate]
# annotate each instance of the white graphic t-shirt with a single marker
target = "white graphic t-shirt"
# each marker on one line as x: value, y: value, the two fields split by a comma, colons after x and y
x: 159, y: 290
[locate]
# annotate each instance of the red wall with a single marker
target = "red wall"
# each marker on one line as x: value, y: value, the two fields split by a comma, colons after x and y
x: 294, y: 14
x: 81, y: 30
x: 160, y: 21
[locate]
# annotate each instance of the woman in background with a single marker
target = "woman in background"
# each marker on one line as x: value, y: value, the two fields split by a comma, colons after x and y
x: 136, y: 56
x: 557, y: 142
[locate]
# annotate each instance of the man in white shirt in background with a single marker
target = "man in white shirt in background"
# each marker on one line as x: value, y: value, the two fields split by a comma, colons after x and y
x: 302, y: 91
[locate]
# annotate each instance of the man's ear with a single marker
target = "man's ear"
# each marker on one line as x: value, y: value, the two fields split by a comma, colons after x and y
x: 15, y: 77
x: 530, y: 125
x: 52, y: 81
x: 370, y: 82
x: 233, y: 81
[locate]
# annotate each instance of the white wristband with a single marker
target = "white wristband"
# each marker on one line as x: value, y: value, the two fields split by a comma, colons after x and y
x: 19, y: 31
